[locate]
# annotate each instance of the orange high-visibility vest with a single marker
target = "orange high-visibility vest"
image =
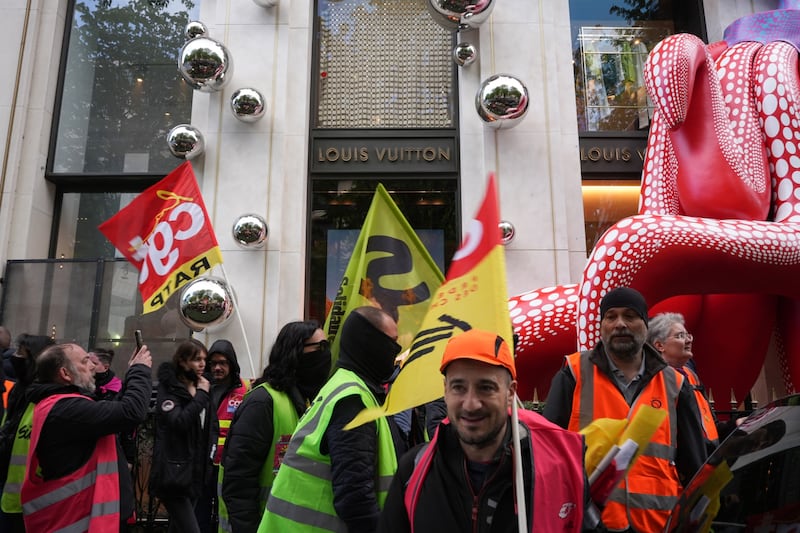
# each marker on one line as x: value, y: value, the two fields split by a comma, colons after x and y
x: 651, y: 486
x: 7, y: 385
x: 706, y: 416
x: 85, y: 500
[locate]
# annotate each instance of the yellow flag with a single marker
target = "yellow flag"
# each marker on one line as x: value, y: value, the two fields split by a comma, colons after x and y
x: 474, y: 295
x: 643, y: 426
x: 600, y: 435
x: 390, y: 268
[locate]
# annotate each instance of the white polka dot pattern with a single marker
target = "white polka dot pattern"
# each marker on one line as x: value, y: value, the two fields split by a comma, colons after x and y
x: 682, y: 255
x: 778, y: 99
x: 728, y: 222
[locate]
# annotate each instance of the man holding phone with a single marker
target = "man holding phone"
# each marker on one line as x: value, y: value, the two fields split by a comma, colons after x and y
x: 74, y: 438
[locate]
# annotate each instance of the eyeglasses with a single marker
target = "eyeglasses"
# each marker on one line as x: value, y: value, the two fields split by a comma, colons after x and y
x: 212, y: 364
x: 683, y: 336
x: 322, y: 345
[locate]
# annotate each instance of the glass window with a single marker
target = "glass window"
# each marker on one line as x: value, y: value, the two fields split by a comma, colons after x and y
x: 92, y: 303
x: 605, y: 202
x: 383, y: 64
x: 338, y: 211
x: 80, y: 214
x: 610, y: 43
x: 122, y: 91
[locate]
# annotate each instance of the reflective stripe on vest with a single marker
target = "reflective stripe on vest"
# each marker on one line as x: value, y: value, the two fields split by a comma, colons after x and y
x: 302, y: 495
x: 643, y: 499
x: 284, y: 422
x: 706, y: 415
x: 64, y: 504
x: 10, y: 501
x: 227, y: 408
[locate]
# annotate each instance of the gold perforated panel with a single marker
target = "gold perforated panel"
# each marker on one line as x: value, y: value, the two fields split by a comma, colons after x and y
x: 383, y: 64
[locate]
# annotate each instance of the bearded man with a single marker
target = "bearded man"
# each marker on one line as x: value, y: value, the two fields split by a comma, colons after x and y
x: 614, y: 380
x: 77, y: 476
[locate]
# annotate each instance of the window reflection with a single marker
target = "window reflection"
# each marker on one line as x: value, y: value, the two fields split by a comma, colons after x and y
x: 610, y: 90
x: 338, y: 211
x: 122, y: 92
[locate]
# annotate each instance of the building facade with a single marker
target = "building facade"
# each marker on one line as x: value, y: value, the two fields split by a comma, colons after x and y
x: 357, y: 92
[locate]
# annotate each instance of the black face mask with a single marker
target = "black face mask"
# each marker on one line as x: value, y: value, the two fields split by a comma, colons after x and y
x: 367, y: 350
x: 101, y: 378
x: 313, y: 370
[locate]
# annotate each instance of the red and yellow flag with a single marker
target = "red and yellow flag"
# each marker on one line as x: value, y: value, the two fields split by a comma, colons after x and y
x: 166, y: 234
x: 473, y: 296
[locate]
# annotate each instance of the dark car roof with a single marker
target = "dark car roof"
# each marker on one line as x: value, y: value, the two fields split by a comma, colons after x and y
x: 752, y: 480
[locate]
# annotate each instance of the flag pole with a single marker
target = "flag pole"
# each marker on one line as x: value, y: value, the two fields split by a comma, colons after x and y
x: 241, y: 322
x: 519, y: 482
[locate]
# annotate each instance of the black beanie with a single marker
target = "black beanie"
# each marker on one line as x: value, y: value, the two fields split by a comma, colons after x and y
x: 624, y: 297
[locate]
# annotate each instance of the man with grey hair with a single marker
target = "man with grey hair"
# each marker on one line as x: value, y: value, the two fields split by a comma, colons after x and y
x: 73, y: 441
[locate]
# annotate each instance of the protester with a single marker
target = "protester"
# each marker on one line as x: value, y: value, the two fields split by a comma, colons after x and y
x: 183, y: 436
x: 667, y: 333
x: 73, y: 439
x: 107, y: 383
x: 613, y: 380
x: 16, y: 430
x: 463, y: 480
x: 28, y: 347
x: 299, y: 364
x: 331, y: 478
x: 6, y: 370
x: 227, y: 390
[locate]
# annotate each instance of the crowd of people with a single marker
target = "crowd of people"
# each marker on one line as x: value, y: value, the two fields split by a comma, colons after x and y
x: 274, y: 455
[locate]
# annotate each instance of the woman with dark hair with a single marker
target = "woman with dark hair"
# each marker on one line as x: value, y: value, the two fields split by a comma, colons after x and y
x: 299, y: 364
x: 182, y: 449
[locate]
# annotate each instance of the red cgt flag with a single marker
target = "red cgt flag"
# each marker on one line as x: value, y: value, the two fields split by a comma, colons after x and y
x: 166, y: 233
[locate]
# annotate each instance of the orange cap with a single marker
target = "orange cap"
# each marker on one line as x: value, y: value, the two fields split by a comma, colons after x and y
x: 484, y: 346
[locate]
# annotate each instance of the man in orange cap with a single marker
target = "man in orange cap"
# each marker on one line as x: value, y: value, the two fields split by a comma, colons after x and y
x: 463, y: 479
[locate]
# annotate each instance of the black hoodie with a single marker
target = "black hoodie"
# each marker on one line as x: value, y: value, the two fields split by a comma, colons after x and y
x: 220, y: 390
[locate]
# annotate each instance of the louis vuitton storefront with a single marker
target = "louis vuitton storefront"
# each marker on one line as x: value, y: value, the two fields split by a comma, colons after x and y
x: 355, y: 93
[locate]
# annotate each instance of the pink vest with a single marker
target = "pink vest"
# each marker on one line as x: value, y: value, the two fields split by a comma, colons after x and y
x: 557, y: 455
x: 85, y: 500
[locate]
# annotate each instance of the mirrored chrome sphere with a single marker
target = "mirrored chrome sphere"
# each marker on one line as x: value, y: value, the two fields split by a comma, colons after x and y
x: 506, y: 231
x: 464, y: 54
x: 185, y: 141
x: 205, y: 64
x: 195, y: 28
x: 266, y: 3
x: 205, y: 302
x: 250, y: 231
x: 248, y: 105
x: 502, y: 101
x: 460, y: 14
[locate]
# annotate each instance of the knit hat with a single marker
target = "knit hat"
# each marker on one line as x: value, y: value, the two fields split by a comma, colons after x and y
x: 484, y: 346
x: 624, y: 297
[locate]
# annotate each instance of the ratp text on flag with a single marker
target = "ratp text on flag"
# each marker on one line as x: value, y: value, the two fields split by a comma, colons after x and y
x: 165, y: 232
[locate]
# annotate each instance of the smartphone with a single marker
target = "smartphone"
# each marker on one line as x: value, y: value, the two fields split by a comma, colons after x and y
x: 138, y: 336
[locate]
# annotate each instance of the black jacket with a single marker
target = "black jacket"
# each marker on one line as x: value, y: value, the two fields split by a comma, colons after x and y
x: 691, y: 449
x: 74, y: 425
x: 182, y: 440
x: 246, y: 449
